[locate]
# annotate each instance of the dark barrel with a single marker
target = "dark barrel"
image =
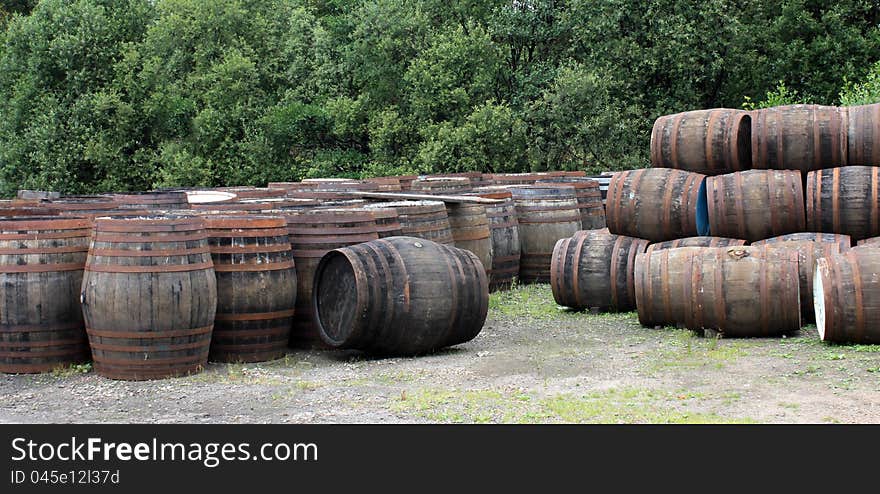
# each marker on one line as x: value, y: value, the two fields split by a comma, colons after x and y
x: 504, y: 230
x: 41, y: 269
x: 149, y: 296
x: 312, y: 234
x: 739, y: 291
x: 160, y: 200
x: 696, y: 242
x: 710, y: 142
x: 846, y: 295
x: 256, y: 287
x: 656, y: 204
x: 470, y: 230
x: 545, y: 213
x: 589, y: 199
x: 422, y: 219
x: 843, y: 241
x: 863, y: 135
x: 755, y: 204
x: 799, y: 137
x: 844, y: 200
x: 387, y: 220
x: 400, y: 296
x: 594, y: 269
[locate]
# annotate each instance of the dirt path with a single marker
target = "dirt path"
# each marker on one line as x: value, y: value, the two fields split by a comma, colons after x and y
x: 532, y: 363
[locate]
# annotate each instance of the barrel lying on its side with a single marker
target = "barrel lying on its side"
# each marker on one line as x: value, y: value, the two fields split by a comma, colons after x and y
x: 256, y: 287
x: 755, y: 204
x: 594, y: 269
x: 846, y: 297
x: 844, y: 241
x: 739, y: 291
x: 863, y: 135
x: 703, y: 141
x: 799, y: 137
x: 656, y: 204
x: 844, y: 200
x: 41, y: 270
x: 696, y: 242
x: 400, y: 296
x: 149, y: 296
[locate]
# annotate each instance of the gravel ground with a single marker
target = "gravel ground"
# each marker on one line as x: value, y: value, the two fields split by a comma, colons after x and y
x: 533, y: 362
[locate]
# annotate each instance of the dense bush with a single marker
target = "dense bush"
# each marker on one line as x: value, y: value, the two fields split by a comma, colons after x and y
x: 132, y: 94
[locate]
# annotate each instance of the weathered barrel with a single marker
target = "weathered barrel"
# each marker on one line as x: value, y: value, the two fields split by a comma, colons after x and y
x: 256, y: 287
x: 422, y: 219
x: 442, y: 185
x: 470, y: 230
x: 710, y: 142
x: 17, y: 208
x: 476, y: 179
x: 504, y: 230
x: 515, y: 178
x: 844, y: 200
x: 846, y: 295
x: 545, y: 213
x: 358, y: 298
x: 210, y: 197
x: 386, y: 184
x: 755, y: 204
x: 246, y: 192
x: 387, y: 220
x: 339, y: 184
x: 149, y: 296
x: 739, y: 291
x: 807, y: 251
x: 83, y: 205
x: 41, y: 268
x: 594, y: 269
x: 799, y: 137
x: 152, y: 200
x: 312, y: 234
x: 656, y: 204
x: 696, y: 242
x: 589, y: 199
x: 844, y: 241
x: 863, y: 135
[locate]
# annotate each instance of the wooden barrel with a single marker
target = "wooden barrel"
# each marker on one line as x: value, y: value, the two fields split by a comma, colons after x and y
x: 594, y: 269
x: 656, y: 204
x: 846, y: 294
x: 516, y: 178
x: 312, y: 234
x: 589, y: 199
x: 504, y: 231
x: 755, y: 204
x: 843, y: 241
x: 387, y: 220
x: 799, y: 137
x: 470, y: 230
x: 863, y: 135
x: 442, y: 185
x: 87, y: 205
x: 357, y: 296
x: 739, y: 291
x: 808, y: 252
x: 545, y: 213
x: 152, y: 200
x: 17, y: 208
x: 149, y: 296
x: 41, y: 268
x: 243, y: 192
x: 339, y: 184
x: 869, y: 242
x: 256, y: 287
x: 422, y: 219
x: 710, y: 142
x: 844, y: 200
x: 386, y: 184
x: 476, y: 179
x: 696, y: 242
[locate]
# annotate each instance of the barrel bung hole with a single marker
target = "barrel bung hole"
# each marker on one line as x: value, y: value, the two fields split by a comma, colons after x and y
x: 336, y: 296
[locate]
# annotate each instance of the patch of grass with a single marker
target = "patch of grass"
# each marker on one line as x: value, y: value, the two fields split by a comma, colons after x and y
x: 625, y: 405
x: 71, y: 370
x: 790, y: 406
x: 527, y: 301
x: 685, y: 350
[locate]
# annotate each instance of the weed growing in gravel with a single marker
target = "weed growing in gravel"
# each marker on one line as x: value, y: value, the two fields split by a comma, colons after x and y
x: 71, y: 370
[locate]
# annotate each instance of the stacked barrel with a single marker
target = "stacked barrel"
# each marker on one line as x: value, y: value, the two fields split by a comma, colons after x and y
x: 800, y: 183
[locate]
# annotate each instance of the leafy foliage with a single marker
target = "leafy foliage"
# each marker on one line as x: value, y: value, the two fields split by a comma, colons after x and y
x: 100, y: 95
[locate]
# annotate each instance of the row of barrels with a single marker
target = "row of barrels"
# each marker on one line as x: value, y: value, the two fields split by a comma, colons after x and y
x: 767, y: 288
x: 791, y: 137
x: 159, y: 296
x: 661, y: 204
